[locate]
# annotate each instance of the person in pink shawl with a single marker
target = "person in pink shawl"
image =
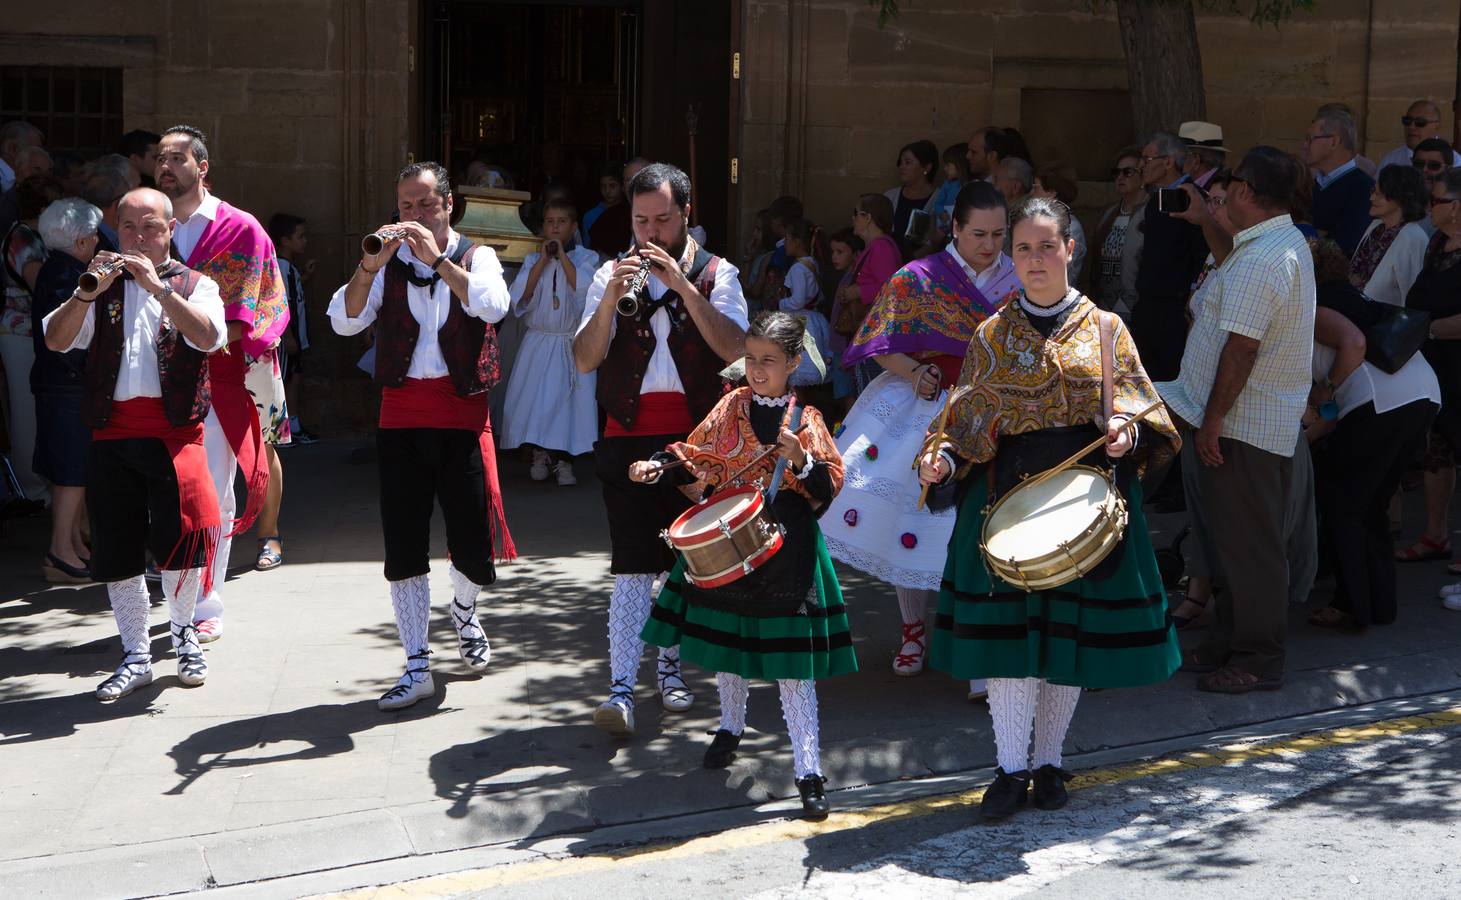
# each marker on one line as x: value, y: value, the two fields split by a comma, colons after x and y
x: 232, y: 248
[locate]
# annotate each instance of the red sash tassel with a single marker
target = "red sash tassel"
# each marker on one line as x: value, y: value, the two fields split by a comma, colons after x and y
x: 144, y: 417
x: 433, y: 403
x: 240, y: 422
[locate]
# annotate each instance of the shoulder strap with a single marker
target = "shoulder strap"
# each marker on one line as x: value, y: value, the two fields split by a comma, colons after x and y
x: 1108, y: 354
x: 462, y: 256
x: 706, y: 282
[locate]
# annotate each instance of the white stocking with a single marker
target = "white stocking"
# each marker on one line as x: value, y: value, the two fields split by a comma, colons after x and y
x: 129, y: 607
x: 799, y: 708
x: 913, y: 603
x: 411, y: 598
x: 181, y: 589
x: 629, y: 608
x: 1053, y: 711
x: 734, y: 691
x: 1012, y: 707
x: 464, y: 605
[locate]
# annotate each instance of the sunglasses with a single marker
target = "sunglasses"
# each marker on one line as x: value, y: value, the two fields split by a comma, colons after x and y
x: 1417, y: 121
x: 1124, y: 171
x: 1441, y: 201
x: 1429, y: 165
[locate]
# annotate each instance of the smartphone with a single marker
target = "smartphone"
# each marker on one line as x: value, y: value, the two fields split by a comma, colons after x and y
x: 550, y: 248
x: 1173, y: 200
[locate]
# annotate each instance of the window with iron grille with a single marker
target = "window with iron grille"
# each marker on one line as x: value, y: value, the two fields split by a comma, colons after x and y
x: 79, y: 108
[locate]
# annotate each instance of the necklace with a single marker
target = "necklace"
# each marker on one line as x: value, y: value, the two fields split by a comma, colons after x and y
x: 771, y: 401
x: 1071, y: 296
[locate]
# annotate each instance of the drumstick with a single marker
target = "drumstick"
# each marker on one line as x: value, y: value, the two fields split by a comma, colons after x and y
x: 795, y: 424
x: 938, y: 442
x: 758, y: 457
x: 1093, y: 446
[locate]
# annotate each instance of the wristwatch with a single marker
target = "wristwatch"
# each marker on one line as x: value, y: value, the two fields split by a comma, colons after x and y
x: 166, y: 289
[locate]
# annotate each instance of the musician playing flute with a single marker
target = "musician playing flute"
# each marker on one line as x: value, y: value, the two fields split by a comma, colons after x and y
x: 785, y: 621
x: 658, y: 360
x: 1030, y: 395
x: 148, y: 328
x: 434, y: 297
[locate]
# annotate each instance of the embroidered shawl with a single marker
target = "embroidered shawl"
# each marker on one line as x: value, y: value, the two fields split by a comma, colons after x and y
x: 929, y: 305
x: 236, y: 252
x: 1015, y: 381
x: 725, y: 442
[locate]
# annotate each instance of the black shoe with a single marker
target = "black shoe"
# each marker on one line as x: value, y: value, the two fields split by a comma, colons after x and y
x: 1049, y: 787
x: 814, y: 798
x: 722, y: 750
x: 1005, y: 796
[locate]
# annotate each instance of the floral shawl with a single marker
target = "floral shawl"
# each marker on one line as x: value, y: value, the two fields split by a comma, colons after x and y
x: 236, y: 252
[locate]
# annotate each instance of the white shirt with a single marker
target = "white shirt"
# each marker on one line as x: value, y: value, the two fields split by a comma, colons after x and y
x: 661, y: 376
x: 1416, y: 380
x: 187, y: 234
x: 1402, y: 262
x: 1402, y: 156
x: 7, y: 176
x: 487, y: 300
x: 554, y: 309
x: 141, y: 320
x: 801, y: 282
x: 983, y: 279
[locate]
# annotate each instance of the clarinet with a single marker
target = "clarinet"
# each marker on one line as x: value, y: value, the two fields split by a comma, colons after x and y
x: 628, y: 304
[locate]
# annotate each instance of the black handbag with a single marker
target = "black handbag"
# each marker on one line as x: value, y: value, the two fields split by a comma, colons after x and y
x: 1395, y: 338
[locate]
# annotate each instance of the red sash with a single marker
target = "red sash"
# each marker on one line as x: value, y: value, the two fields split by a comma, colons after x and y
x: 433, y: 403
x: 240, y: 421
x: 662, y: 412
x: 144, y: 417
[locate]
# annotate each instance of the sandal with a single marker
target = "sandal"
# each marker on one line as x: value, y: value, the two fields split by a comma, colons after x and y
x: 1193, y: 663
x: 1425, y: 549
x: 269, y: 558
x: 1178, y: 599
x: 1330, y: 617
x: 1233, y: 680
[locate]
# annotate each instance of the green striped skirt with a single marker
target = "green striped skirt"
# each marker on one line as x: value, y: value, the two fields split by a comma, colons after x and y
x: 817, y: 644
x: 1103, y: 633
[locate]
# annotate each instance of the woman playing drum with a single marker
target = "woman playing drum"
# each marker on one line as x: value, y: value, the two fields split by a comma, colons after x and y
x: 1030, y: 395
x: 785, y: 620
x: 917, y: 331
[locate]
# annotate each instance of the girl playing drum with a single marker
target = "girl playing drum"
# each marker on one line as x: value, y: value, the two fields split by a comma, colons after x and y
x: 784, y: 621
x: 1031, y: 393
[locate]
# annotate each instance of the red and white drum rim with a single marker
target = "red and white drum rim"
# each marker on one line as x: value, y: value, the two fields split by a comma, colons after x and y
x: 681, y: 537
x: 738, y: 571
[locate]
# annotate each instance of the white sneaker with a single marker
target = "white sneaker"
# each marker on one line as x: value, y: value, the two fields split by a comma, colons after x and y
x: 209, y: 630
x: 129, y: 677
x: 539, y: 469
x: 616, y: 715
x: 406, y: 692
x: 1452, y: 601
x: 564, y: 470
x: 1451, y: 590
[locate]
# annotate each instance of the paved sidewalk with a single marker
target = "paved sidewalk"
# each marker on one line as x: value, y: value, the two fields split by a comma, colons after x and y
x: 282, y: 764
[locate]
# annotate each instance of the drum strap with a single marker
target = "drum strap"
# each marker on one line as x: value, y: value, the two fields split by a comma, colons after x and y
x: 1108, y: 354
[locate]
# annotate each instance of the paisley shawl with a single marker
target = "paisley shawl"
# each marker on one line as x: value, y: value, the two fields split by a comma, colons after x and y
x: 930, y: 306
x: 1015, y: 381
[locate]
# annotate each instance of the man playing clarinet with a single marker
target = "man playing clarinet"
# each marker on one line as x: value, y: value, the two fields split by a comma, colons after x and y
x: 658, y: 356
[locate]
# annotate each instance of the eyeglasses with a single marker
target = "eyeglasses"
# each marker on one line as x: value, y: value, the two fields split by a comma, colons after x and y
x: 1417, y: 121
x: 1429, y: 165
x: 1147, y: 159
x: 1441, y: 201
x: 1215, y: 200
x: 1311, y: 138
x: 1124, y: 171
x: 858, y: 212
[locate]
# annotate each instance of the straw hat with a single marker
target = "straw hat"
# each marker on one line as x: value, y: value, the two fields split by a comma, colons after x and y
x: 1202, y: 134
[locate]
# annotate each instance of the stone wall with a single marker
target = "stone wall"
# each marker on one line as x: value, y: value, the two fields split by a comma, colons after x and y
x: 307, y: 107
x: 829, y: 97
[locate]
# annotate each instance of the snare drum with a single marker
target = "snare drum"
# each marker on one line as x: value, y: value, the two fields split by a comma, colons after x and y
x: 1048, y: 532
x: 725, y: 538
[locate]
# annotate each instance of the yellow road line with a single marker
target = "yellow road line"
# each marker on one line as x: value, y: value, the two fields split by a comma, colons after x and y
x: 761, y: 834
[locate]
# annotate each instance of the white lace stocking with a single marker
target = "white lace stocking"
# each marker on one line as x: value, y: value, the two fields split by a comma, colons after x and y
x: 913, y: 603
x: 1053, y: 711
x: 1012, y: 707
x: 799, y: 708
x: 411, y: 599
x: 181, y: 589
x: 629, y: 607
x: 734, y: 691
x: 129, y: 607
x: 464, y: 605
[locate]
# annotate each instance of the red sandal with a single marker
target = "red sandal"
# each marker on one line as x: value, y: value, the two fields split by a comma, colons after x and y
x: 1424, y: 550
x: 910, y: 663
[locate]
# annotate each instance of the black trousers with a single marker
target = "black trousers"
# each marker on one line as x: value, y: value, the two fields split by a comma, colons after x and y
x: 132, y: 500
x: 417, y: 466
x: 637, y: 512
x: 1356, y: 472
x: 1159, y: 327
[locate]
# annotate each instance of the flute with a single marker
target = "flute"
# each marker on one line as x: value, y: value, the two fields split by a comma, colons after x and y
x: 628, y: 304
x: 91, y: 279
x: 376, y: 241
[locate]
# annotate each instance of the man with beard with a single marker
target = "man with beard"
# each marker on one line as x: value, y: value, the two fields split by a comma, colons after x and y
x: 433, y: 296
x: 149, y: 329
x: 658, y: 374
x: 232, y: 248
